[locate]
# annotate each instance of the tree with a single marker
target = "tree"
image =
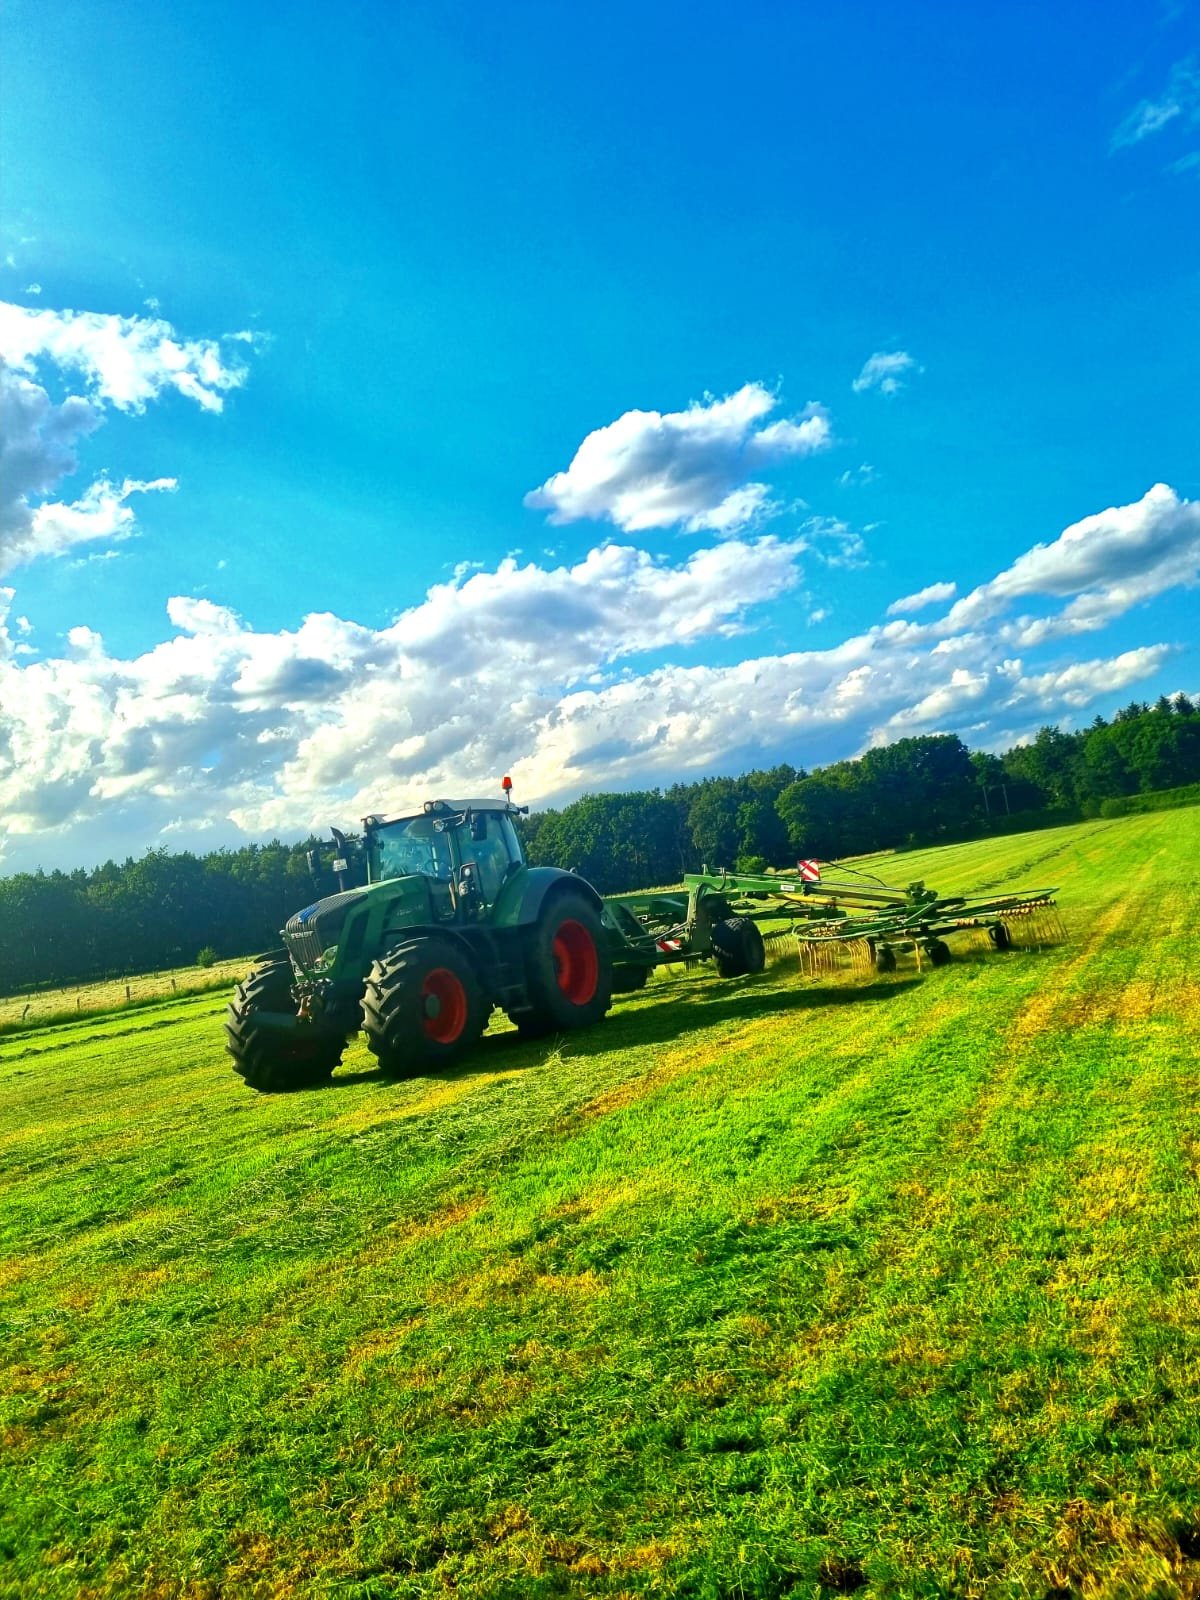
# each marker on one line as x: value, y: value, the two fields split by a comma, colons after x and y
x: 823, y: 818
x: 713, y: 821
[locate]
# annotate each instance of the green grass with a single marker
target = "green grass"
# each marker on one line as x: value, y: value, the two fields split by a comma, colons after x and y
x: 764, y: 1288
x: 19, y: 1012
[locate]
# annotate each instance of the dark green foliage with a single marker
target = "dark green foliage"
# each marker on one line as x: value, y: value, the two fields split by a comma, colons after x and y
x: 1143, y: 749
x: 1163, y: 800
x: 150, y: 914
x: 897, y: 794
x: 615, y: 841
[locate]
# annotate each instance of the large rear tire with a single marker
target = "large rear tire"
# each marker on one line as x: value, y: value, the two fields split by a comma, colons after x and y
x: 568, y: 968
x: 273, y: 1060
x: 738, y: 947
x: 423, y: 1006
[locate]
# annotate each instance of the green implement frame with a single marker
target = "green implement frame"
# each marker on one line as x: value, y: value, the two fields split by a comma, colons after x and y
x: 847, y: 918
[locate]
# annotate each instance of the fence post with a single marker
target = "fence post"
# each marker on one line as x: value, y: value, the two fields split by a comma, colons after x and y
x: 128, y: 996
x: 174, y: 986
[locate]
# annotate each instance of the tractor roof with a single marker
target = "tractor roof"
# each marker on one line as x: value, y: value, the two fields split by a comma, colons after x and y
x: 443, y: 808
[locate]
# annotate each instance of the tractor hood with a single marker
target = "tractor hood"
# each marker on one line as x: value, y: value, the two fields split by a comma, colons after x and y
x: 319, y: 928
x: 311, y: 932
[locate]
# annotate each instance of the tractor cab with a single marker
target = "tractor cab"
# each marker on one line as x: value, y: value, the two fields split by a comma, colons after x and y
x: 471, y: 844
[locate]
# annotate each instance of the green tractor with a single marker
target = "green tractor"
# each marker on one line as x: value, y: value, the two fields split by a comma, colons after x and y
x: 450, y: 924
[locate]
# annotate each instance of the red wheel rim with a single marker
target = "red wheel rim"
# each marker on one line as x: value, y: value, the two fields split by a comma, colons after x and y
x: 576, y: 964
x: 445, y: 1005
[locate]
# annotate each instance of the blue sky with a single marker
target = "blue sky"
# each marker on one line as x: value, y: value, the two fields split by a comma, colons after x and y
x: 357, y: 282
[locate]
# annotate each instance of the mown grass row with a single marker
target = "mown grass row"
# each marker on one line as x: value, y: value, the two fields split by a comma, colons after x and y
x: 763, y: 1288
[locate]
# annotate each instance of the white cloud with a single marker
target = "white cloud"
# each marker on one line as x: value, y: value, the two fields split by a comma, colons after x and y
x: 123, y: 362
x: 932, y: 594
x: 540, y: 670
x: 696, y: 468
x: 739, y: 509
x: 126, y: 361
x: 102, y: 512
x: 885, y: 371
x: 1082, y: 682
x: 945, y: 704
x: 853, y: 477
x: 835, y: 542
x: 1106, y: 564
x: 38, y: 442
x: 1179, y: 100
x: 275, y: 727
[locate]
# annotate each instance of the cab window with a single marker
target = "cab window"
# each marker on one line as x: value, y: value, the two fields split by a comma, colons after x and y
x: 491, y: 842
x: 414, y: 845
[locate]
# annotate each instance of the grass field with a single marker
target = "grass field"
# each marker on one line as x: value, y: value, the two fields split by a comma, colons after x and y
x: 763, y: 1288
x: 22, y: 1011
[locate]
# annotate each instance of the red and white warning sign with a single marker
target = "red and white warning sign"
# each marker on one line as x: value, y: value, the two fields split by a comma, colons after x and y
x: 810, y: 871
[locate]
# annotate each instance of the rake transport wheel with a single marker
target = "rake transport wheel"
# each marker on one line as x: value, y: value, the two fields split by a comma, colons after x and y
x: 568, y: 969
x: 422, y: 1006
x: 938, y: 952
x: 1000, y: 936
x: 625, y: 980
x: 885, y: 958
x: 274, y: 1060
x: 738, y: 947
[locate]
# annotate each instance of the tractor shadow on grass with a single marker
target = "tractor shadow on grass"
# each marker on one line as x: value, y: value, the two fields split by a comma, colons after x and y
x: 678, y: 1009
x: 670, y: 1010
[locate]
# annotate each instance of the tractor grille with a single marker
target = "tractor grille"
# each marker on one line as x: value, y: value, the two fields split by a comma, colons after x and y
x: 311, y: 931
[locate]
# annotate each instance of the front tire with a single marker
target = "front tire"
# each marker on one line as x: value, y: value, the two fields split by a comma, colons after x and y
x: 568, y: 969
x: 422, y: 1007
x: 274, y: 1060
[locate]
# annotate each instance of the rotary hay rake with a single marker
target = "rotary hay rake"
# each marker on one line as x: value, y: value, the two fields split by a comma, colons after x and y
x: 837, y: 920
x: 861, y: 938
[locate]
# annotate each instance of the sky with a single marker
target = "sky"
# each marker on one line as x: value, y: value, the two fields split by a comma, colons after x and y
x: 395, y: 396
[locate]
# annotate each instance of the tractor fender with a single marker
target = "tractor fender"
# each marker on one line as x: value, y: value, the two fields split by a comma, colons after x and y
x: 474, y: 951
x: 526, y: 894
x: 428, y: 930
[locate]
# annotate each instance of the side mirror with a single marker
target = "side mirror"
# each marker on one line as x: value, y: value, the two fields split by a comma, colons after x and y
x: 468, y: 884
x: 479, y: 828
x: 341, y: 863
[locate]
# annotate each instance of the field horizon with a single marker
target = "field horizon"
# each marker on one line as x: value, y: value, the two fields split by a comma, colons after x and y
x: 768, y: 1287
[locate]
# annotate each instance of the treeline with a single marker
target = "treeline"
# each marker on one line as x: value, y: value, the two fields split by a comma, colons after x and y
x: 162, y: 910
x: 149, y: 914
